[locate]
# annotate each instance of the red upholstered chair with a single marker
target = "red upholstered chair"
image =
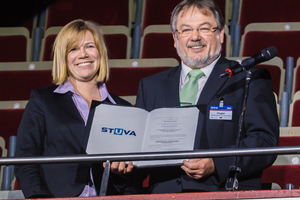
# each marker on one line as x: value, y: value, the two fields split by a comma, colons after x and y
x: 19, y: 14
x: 124, y: 81
x: 158, y: 42
x: 282, y: 175
x: 294, y: 117
x: 267, y: 11
x: 15, y: 44
x: 286, y: 168
x: 117, y: 40
x: 125, y: 74
x: 289, y: 136
x: 275, y: 67
x: 9, y: 123
x: 157, y: 12
x: 116, y: 13
x: 259, y: 36
x: 296, y: 78
x: 17, y: 84
x: 112, y: 12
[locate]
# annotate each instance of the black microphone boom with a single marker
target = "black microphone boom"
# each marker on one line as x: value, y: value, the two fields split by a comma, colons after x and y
x: 262, y: 56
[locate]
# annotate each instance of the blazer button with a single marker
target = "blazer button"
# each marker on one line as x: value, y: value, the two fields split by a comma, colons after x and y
x: 178, y: 181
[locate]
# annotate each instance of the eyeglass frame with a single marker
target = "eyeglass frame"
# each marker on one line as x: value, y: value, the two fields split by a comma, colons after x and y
x: 212, y: 30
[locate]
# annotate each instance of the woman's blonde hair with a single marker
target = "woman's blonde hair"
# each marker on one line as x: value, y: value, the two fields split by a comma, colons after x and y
x: 67, y: 38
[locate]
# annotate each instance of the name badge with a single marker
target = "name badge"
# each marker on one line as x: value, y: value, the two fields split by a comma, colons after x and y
x: 220, y: 113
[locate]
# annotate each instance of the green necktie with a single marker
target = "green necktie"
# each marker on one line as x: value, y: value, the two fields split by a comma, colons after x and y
x: 189, y: 91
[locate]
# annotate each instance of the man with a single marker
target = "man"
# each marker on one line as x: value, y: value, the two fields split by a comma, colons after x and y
x: 198, y: 32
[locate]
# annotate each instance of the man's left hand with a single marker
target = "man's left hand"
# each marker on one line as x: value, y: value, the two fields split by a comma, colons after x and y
x: 120, y: 168
x: 198, y: 168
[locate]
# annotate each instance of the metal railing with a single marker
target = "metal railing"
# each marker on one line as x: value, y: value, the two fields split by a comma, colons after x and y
x: 205, y: 153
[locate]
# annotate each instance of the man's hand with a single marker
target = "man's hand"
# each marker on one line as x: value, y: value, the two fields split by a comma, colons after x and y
x: 120, y: 168
x: 198, y: 168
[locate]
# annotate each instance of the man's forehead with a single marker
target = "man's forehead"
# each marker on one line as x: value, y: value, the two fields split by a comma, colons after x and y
x: 193, y: 10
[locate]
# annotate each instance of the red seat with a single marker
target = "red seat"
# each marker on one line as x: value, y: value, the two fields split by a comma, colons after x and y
x: 124, y: 81
x: 280, y: 35
x: 19, y: 14
x: 17, y: 85
x: 112, y: 12
x: 275, y: 67
x: 165, y: 8
x: 294, y: 118
x: 282, y: 175
x: 15, y: 44
x: 9, y: 123
x: 266, y: 11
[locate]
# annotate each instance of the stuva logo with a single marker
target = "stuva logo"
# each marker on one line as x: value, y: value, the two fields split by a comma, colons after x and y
x: 118, y: 131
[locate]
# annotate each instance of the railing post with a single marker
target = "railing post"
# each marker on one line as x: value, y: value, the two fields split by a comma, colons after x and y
x: 284, y: 109
x: 105, y: 178
x: 289, y: 76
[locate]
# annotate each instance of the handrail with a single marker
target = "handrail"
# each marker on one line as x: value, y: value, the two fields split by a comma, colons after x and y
x: 205, y: 153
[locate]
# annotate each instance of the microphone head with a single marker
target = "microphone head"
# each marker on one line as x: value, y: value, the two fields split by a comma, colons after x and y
x: 269, y: 53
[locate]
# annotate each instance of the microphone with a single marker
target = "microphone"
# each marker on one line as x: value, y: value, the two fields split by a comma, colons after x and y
x: 262, y: 56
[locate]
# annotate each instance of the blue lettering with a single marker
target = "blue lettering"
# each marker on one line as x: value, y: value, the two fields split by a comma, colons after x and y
x: 118, y: 131
x: 110, y: 130
x: 126, y: 132
x: 132, y: 133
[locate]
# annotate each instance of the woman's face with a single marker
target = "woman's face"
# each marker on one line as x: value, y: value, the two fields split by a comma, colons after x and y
x: 84, y: 59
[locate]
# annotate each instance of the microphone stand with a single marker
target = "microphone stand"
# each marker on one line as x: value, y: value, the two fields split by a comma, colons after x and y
x: 232, y: 181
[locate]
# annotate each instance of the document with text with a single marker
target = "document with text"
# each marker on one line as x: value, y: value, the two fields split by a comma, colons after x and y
x: 118, y: 129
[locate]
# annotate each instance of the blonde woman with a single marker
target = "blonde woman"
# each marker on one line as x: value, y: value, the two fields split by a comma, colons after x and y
x: 54, y: 120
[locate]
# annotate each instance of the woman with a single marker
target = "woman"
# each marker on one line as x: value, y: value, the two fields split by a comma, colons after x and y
x: 54, y: 120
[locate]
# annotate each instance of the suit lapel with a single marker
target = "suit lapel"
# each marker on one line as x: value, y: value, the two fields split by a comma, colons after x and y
x: 171, y: 88
x: 71, y: 117
x: 214, y: 82
x: 212, y: 86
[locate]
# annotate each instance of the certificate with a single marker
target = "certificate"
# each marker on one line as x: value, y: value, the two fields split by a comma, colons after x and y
x: 119, y: 129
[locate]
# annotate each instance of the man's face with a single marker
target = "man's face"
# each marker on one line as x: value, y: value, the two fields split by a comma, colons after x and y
x: 197, y: 49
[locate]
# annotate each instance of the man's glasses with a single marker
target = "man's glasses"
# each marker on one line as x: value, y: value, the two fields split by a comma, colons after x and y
x: 203, y: 30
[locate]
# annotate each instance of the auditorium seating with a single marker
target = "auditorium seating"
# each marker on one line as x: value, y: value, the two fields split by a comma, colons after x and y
x: 286, y: 168
x: 3, y: 146
x: 17, y: 85
x: 259, y: 29
x: 294, y: 117
x: 275, y: 67
x: 112, y: 12
x: 126, y: 74
x: 19, y: 14
x: 15, y: 44
x: 259, y: 36
x: 265, y: 12
x: 289, y: 136
x: 157, y: 12
x: 296, y: 77
x: 268, y: 11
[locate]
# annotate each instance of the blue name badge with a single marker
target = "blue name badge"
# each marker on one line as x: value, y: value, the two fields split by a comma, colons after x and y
x: 220, y: 113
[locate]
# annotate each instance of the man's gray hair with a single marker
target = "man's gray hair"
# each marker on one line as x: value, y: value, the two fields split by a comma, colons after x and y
x: 203, y: 5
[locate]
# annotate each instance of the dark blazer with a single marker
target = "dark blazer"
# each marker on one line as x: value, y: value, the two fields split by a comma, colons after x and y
x: 261, y: 128
x: 52, y: 126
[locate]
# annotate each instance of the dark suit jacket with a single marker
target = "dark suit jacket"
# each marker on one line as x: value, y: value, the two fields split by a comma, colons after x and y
x: 261, y: 128
x: 52, y: 126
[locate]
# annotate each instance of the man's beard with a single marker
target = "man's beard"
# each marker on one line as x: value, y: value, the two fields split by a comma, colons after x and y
x: 201, y: 62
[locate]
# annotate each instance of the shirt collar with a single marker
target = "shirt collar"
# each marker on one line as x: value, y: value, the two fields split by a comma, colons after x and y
x: 68, y: 87
x: 206, y: 70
